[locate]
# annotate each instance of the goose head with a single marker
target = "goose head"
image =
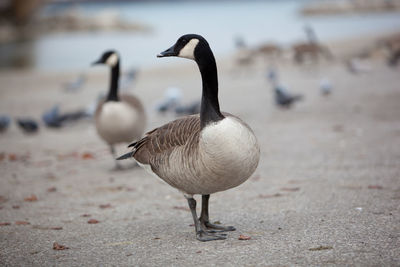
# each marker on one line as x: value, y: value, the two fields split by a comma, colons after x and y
x: 110, y: 58
x: 187, y: 46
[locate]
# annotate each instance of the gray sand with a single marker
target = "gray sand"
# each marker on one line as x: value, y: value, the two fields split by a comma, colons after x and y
x: 326, y: 191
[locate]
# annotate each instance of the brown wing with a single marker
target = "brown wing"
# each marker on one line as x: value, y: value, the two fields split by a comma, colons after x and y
x: 165, y: 138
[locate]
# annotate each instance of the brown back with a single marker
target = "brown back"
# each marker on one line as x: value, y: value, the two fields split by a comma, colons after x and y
x: 162, y: 140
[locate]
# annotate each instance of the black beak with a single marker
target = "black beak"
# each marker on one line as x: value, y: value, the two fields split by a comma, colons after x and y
x: 170, y: 52
x: 97, y: 62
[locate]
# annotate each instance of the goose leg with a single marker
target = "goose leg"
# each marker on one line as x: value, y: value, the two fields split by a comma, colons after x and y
x: 117, y: 165
x: 205, y: 221
x: 201, y: 234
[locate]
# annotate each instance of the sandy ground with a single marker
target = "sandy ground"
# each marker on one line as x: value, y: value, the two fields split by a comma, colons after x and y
x: 326, y: 191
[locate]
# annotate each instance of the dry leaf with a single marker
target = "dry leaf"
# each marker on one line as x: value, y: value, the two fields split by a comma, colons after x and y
x: 31, y: 198
x: 3, y: 199
x: 12, y: 157
x: 320, y: 248
x: 375, y: 187
x: 57, y: 246
x: 270, y: 196
x: 87, y: 155
x: 105, y: 206
x: 290, y: 189
x: 5, y: 223
x: 85, y: 215
x: 244, y: 237
x: 15, y: 207
x: 51, y: 189
x: 46, y: 227
x: 93, y: 221
x: 22, y: 223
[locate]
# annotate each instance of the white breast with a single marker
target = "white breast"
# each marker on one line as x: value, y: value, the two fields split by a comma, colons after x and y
x: 229, y: 140
x: 230, y: 151
x: 117, y: 122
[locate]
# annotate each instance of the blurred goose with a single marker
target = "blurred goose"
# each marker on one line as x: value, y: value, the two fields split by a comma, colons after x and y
x: 203, y: 153
x: 119, y: 118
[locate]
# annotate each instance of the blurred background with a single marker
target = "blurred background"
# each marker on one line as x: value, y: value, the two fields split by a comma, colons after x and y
x: 317, y: 81
x: 60, y: 35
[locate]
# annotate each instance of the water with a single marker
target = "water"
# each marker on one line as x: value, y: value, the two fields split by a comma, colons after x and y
x: 219, y: 22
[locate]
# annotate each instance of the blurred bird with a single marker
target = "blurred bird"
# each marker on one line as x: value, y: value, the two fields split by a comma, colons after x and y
x: 172, y: 98
x: 192, y: 108
x: 325, y: 86
x: 120, y: 118
x: 75, y: 85
x: 28, y: 125
x: 282, y: 97
x: 53, y: 118
x: 4, y: 123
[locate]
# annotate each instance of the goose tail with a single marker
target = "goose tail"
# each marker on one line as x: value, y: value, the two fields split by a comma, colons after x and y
x: 126, y: 156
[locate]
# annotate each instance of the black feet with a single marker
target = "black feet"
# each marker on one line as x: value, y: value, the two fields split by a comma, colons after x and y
x: 215, y: 228
x: 208, y: 236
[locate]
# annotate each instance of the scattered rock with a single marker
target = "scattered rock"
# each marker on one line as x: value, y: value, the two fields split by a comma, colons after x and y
x: 51, y: 189
x: 105, y: 206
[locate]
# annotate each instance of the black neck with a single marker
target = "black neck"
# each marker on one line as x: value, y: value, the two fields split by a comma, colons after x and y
x: 209, y: 111
x: 113, y: 92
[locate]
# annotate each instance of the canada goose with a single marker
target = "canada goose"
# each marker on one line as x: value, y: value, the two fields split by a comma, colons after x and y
x: 203, y: 153
x: 119, y: 118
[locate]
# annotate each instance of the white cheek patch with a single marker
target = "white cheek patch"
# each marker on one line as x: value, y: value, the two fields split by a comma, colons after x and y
x: 112, y: 60
x: 188, y: 50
